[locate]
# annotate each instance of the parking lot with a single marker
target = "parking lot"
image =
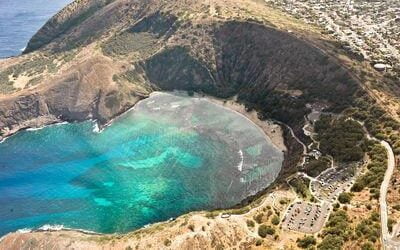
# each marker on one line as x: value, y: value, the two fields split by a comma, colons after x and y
x: 331, y: 183
x: 306, y: 217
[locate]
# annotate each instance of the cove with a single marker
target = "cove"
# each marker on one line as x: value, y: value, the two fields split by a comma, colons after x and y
x: 169, y: 155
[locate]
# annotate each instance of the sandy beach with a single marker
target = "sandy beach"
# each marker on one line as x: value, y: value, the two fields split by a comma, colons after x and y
x: 271, y: 129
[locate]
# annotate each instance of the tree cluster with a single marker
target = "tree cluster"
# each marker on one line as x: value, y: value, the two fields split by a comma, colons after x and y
x: 376, y: 170
x: 341, y: 138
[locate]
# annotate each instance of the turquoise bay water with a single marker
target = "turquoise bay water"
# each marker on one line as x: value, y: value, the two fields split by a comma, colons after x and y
x: 170, y: 155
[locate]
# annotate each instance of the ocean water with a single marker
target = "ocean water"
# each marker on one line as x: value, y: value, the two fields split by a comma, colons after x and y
x: 21, y: 19
x: 169, y: 155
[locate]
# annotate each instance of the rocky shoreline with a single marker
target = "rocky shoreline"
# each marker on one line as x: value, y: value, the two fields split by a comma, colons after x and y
x: 273, y: 131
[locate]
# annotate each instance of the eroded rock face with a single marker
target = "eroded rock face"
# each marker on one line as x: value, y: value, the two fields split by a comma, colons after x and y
x: 84, y: 92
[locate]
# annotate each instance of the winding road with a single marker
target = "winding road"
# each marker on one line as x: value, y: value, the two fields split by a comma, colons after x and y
x: 387, y: 242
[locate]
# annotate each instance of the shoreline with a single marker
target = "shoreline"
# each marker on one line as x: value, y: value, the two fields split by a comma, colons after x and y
x: 270, y: 128
x: 272, y: 131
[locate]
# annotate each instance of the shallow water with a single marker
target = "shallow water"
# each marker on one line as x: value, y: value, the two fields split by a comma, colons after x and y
x: 21, y: 19
x: 170, y: 155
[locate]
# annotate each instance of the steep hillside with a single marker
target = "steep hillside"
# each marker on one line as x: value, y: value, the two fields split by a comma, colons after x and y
x: 108, y: 54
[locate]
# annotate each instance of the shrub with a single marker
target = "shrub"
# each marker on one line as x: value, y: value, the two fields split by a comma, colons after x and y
x: 345, y: 197
x: 265, y: 230
x: 376, y: 171
x: 336, y: 232
x: 306, y: 241
x: 375, y: 216
x: 369, y: 228
x: 167, y: 242
x: 391, y: 222
x: 275, y: 220
x: 250, y: 223
x: 242, y: 210
x: 315, y: 167
x: 331, y: 242
x: 212, y: 215
x: 259, y: 218
x: 128, y: 42
x: 300, y: 186
x: 219, y: 247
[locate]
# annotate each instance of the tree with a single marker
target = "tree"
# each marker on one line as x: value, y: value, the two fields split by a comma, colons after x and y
x: 345, y: 197
x: 340, y: 138
x: 259, y: 218
x: 250, y: 223
x: 306, y: 241
x: 331, y: 242
x: 275, y: 220
x: 167, y: 242
x: 265, y: 230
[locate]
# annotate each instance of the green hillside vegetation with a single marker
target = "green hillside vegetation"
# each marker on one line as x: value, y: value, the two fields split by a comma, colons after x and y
x: 369, y: 229
x: 337, y: 231
x: 376, y: 170
x: 300, y: 186
x: 306, y: 241
x: 340, y: 138
x: 391, y: 223
x: 315, y: 166
x: 378, y: 123
x: 31, y: 67
x: 273, y: 104
x: 345, y: 197
x: 264, y: 230
x: 128, y: 42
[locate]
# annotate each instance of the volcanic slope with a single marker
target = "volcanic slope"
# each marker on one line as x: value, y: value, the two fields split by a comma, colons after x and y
x: 97, y: 58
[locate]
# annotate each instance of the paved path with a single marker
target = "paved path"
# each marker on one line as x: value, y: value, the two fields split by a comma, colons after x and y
x: 297, y: 139
x: 386, y: 239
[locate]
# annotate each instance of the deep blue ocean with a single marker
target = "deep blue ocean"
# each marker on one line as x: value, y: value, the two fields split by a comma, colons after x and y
x: 21, y: 19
